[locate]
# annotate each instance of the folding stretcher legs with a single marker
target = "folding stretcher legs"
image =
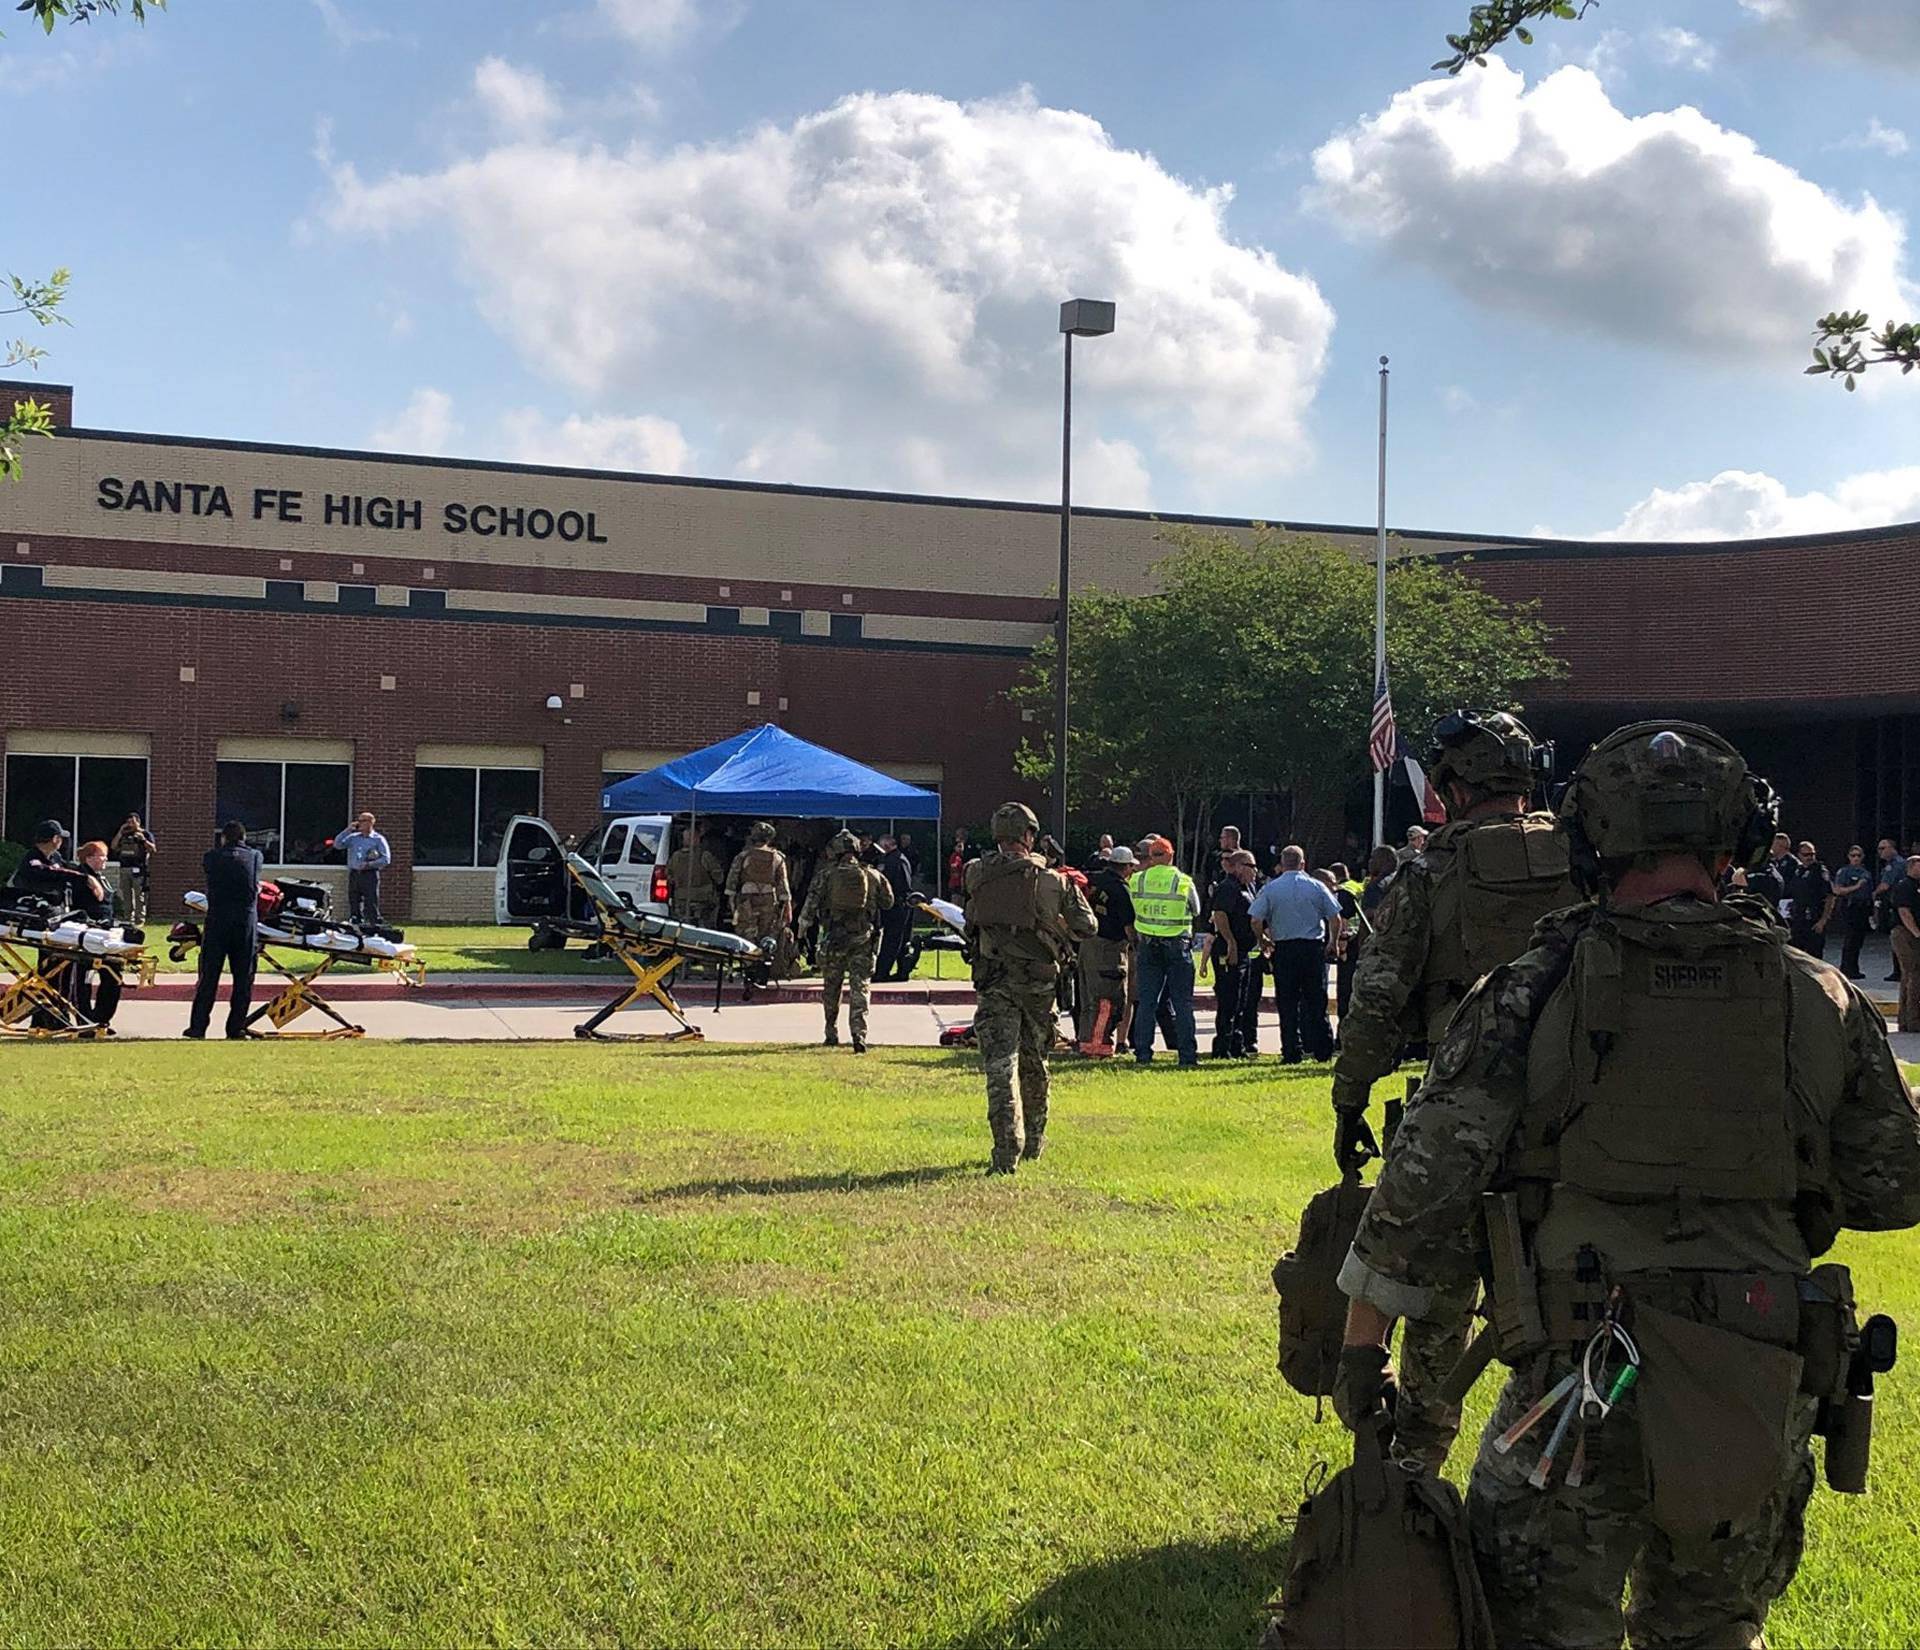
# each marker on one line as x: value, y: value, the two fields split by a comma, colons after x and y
x: 36, y: 1004
x: 650, y: 965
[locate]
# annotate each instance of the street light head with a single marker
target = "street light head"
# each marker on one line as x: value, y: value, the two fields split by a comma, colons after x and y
x: 1086, y: 317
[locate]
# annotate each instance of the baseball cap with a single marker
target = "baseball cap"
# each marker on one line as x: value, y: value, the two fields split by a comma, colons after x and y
x: 1120, y: 855
x: 48, y: 829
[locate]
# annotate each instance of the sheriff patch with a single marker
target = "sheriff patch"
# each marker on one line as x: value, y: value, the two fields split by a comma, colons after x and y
x: 1689, y: 979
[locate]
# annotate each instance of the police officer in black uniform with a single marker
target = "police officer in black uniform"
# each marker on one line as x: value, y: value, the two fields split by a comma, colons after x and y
x: 232, y: 930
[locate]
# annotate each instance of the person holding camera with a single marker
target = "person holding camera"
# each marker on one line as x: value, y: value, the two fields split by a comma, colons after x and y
x: 132, y: 849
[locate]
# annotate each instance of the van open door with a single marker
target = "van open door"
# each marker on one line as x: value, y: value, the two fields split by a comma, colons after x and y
x: 530, y: 884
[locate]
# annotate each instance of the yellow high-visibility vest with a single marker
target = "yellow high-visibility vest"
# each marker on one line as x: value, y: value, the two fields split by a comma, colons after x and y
x: 1161, y: 908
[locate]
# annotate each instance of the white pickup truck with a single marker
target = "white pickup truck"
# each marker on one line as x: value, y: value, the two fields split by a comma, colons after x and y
x: 531, y: 884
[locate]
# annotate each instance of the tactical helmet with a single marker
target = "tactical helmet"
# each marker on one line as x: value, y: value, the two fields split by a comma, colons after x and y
x: 1012, y: 821
x: 1665, y: 787
x: 1493, y: 755
x: 841, y: 843
x: 760, y: 834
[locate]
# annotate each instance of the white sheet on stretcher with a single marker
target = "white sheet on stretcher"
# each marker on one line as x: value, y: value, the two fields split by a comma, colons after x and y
x: 72, y: 936
x: 341, y: 941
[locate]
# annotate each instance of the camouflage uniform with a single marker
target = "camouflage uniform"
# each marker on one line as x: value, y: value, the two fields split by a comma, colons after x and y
x: 1493, y: 1111
x: 847, y: 938
x: 694, y: 880
x: 1412, y: 976
x: 759, y: 896
x: 1016, y: 971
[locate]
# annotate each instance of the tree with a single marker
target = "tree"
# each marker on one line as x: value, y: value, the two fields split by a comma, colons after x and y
x: 1837, y: 349
x: 1252, y: 671
x: 40, y: 300
x: 1492, y: 25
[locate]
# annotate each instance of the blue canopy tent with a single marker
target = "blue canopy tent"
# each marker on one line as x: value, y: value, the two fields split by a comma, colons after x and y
x: 767, y: 771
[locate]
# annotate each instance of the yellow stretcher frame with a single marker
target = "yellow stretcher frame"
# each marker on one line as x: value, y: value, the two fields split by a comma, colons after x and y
x: 35, y: 988
x: 651, y: 962
x: 300, y: 996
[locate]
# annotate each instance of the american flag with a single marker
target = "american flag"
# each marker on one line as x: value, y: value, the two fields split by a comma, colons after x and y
x: 1383, y: 739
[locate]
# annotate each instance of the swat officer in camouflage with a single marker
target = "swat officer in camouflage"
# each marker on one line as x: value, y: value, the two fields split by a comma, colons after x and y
x: 759, y: 896
x: 694, y: 880
x: 1021, y: 924
x: 1464, y: 905
x: 1652, y: 1123
x: 846, y: 899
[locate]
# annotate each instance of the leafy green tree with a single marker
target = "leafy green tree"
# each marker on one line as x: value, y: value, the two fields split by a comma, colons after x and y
x: 40, y: 301
x: 1492, y: 25
x: 1252, y: 672
x: 1838, y: 350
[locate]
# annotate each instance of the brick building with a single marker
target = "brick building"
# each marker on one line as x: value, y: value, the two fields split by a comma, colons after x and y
x: 198, y: 629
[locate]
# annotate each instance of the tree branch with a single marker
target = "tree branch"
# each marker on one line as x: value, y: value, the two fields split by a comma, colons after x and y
x: 1493, y: 23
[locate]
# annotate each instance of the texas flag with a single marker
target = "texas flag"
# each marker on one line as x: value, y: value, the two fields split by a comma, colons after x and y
x: 1432, y: 809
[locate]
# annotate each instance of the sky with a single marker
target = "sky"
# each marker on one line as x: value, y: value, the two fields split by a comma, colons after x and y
x: 824, y: 242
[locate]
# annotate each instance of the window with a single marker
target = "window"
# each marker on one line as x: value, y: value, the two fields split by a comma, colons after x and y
x: 291, y: 809
x: 90, y: 795
x: 460, y: 815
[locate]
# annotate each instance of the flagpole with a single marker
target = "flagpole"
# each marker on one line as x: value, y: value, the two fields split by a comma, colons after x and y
x: 1380, y: 610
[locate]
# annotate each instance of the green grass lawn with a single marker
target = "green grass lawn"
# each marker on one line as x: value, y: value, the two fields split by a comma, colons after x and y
x: 374, y: 1344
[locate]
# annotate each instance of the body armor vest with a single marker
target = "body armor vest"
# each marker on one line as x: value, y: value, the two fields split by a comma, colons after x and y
x: 847, y: 889
x: 1006, y: 894
x: 758, y: 866
x: 1491, y: 883
x: 1679, y: 1065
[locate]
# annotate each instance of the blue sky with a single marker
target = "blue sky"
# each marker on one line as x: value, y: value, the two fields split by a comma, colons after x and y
x: 822, y: 240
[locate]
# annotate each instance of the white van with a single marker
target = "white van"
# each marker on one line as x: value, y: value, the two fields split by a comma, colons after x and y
x: 531, y: 885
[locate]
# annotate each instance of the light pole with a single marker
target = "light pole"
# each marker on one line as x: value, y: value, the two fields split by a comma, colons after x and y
x: 1079, y: 318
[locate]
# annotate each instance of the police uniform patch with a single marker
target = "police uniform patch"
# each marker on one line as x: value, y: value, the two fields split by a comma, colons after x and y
x: 1705, y: 979
x: 1457, y: 1046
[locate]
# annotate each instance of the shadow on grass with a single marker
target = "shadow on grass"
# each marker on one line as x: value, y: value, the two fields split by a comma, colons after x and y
x: 786, y: 1184
x: 1185, y: 1594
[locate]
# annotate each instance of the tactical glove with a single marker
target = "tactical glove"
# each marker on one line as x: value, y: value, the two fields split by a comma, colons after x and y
x: 1363, y: 1386
x: 1353, y: 1142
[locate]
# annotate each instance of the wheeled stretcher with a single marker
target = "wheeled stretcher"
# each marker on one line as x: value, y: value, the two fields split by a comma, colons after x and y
x: 650, y: 948
x: 42, y: 951
x: 299, y: 941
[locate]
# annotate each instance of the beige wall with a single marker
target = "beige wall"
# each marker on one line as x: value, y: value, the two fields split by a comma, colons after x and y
x: 650, y: 526
x: 452, y: 895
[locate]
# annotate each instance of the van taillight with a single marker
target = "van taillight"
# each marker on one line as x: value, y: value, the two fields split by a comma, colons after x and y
x: 659, y: 885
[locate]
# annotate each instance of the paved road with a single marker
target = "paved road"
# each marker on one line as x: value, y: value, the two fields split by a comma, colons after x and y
x: 406, y: 1015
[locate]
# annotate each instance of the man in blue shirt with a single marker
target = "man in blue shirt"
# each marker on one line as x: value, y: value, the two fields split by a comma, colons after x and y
x: 367, y: 854
x: 1290, y: 917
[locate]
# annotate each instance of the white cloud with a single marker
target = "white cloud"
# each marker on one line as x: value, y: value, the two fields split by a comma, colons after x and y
x: 643, y: 442
x: 1741, y: 504
x: 664, y: 25
x: 1889, y: 140
x: 1663, y: 229
x: 343, y: 29
x: 1682, y: 49
x: 425, y: 426
x: 428, y: 427
x: 869, y: 296
x: 1883, y: 33
x: 519, y: 102
x: 1458, y: 400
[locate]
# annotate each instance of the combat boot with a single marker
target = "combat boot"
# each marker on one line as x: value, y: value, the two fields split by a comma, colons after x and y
x: 1033, y: 1146
x: 997, y: 1167
x: 832, y: 1039
x: 859, y: 1045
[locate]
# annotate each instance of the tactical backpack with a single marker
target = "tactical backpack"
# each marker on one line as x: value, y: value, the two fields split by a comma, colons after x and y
x: 847, y: 889
x: 1313, y: 1311
x: 1380, y: 1560
x: 1006, y: 894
